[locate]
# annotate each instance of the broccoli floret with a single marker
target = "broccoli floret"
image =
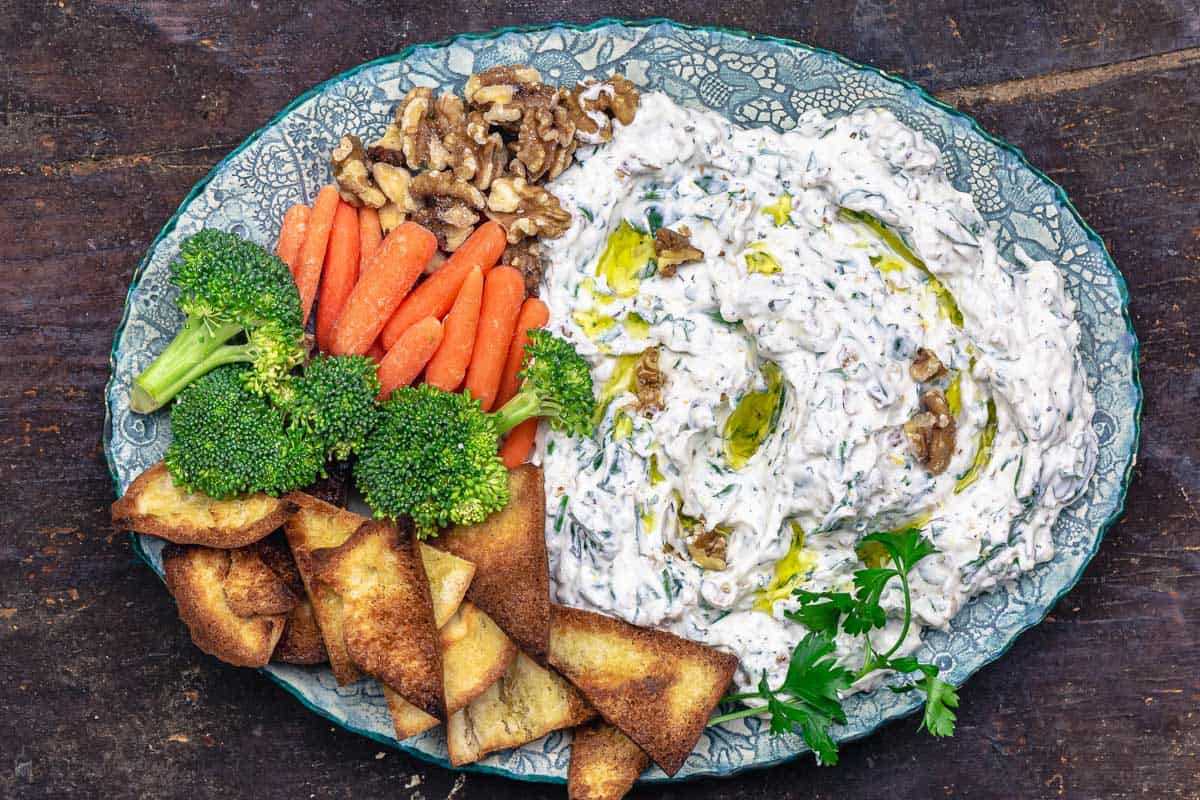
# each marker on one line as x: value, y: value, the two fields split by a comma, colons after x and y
x: 432, y: 456
x: 241, y: 305
x: 227, y: 440
x: 556, y: 383
x: 334, y: 400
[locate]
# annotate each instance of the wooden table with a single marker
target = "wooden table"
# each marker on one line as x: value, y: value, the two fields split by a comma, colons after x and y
x: 109, y: 113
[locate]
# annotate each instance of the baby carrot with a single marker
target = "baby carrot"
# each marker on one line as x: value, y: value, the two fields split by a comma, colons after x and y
x: 381, y: 287
x: 376, y: 352
x: 503, y: 291
x: 409, y: 355
x: 340, y: 272
x: 312, y: 251
x: 369, y: 234
x: 434, y: 297
x: 515, y: 450
x: 449, y: 364
x: 291, y: 235
x: 534, y: 314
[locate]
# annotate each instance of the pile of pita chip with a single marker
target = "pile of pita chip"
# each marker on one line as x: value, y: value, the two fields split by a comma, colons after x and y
x: 656, y: 688
x: 154, y: 505
x: 459, y: 630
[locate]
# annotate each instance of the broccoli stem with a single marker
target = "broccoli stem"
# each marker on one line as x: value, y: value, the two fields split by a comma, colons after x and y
x: 198, y: 348
x: 525, y: 404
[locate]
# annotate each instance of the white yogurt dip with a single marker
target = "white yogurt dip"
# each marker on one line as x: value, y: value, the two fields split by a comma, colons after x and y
x: 789, y: 280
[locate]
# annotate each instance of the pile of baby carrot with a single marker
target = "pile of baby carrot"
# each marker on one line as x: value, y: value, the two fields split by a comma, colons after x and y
x: 462, y: 327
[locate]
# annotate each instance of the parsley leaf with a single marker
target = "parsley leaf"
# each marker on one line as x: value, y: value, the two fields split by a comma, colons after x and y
x: 820, y: 611
x: 809, y: 699
x: 940, y: 698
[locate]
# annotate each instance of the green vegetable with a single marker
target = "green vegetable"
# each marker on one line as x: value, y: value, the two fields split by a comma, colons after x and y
x: 241, y: 305
x: 556, y: 383
x: 946, y: 302
x: 227, y: 440
x: 334, y: 400
x: 754, y: 418
x: 808, y: 701
x: 983, y: 453
x: 626, y: 259
x: 432, y: 454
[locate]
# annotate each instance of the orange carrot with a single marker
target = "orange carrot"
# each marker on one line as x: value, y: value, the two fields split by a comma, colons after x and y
x: 376, y: 352
x: 515, y: 450
x: 434, y: 297
x: 381, y: 287
x: 448, y: 366
x: 534, y: 314
x: 369, y: 234
x: 340, y: 272
x: 312, y: 253
x: 291, y: 235
x: 409, y: 355
x: 503, y: 291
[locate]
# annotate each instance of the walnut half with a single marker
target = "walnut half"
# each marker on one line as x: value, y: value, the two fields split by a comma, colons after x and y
x: 526, y: 210
x: 594, y: 104
x: 649, y: 381
x: 447, y: 205
x: 672, y: 248
x: 526, y: 256
x: 710, y: 549
x: 926, y: 366
x: 931, y: 432
x: 352, y: 174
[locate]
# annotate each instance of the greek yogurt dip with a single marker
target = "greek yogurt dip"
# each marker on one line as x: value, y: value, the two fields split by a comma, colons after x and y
x: 805, y: 307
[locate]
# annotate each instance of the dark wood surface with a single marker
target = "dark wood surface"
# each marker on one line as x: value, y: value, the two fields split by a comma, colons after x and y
x: 109, y: 112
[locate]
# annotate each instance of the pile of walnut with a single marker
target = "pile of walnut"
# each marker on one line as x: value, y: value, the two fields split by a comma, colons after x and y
x: 448, y: 161
x: 931, y: 431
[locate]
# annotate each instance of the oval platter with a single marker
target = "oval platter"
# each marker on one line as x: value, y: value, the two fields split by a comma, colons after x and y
x: 752, y: 80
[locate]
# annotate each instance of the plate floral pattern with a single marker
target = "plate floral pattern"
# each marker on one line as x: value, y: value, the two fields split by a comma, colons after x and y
x: 752, y: 80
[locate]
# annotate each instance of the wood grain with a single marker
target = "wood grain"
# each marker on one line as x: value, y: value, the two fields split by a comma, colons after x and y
x: 110, y: 112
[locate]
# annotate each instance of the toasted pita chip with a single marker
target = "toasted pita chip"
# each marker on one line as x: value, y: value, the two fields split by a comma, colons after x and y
x: 475, y: 654
x: 252, y: 588
x: 387, y: 611
x: 605, y: 763
x: 301, y: 642
x: 317, y: 524
x: 526, y: 704
x: 508, y: 550
x: 657, y: 688
x: 196, y: 577
x: 154, y: 505
x: 449, y: 579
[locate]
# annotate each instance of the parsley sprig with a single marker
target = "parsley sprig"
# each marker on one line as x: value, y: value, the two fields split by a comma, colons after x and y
x: 808, y: 702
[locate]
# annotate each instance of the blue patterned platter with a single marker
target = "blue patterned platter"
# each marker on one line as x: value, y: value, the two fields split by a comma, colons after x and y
x: 752, y: 80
